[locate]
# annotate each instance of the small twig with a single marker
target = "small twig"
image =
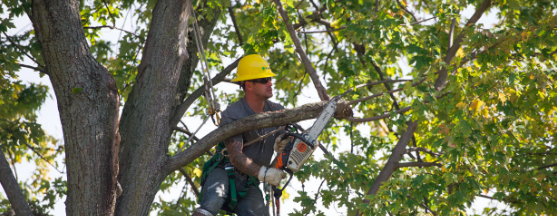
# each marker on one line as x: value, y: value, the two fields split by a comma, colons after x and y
x: 428, y: 19
x: 34, y: 68
x: 19, y: 48
x: 300, y: 85
x: 374, y: 83
x: 233, y: 17
x: 352, y: 119
x: 425, y: 150
x: 407, y: 11
x: 183, y: 130
x: 415, y: 164
x: 382, y: 93
x: 323, y: 31
x: 547, y: 166
x: 190, y: 181
x: 110, y: 14
x: 112, y: 27
x: 42, y: 157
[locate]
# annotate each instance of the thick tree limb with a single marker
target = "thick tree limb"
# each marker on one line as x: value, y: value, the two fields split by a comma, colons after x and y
x: 417, y: 164
x: 262, y: 120
x: 442, y: 77
x: 183, y: 107
x: 312, y: 73
x: 11, y: 187
x: 392, y: 162
x: 151, y: 105
x: 190, y: 181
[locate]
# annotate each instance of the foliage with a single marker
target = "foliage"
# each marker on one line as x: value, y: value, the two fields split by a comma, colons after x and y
x: 492, y: 128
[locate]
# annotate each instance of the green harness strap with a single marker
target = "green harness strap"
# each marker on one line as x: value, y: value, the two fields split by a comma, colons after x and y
x: 217, y: 159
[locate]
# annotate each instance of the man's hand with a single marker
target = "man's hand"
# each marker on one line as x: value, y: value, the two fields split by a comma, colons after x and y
x: 271, y: 175
x: 280, y: 143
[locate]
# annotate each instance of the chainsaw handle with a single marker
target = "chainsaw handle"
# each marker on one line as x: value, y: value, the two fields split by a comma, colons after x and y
x: 301, y: 137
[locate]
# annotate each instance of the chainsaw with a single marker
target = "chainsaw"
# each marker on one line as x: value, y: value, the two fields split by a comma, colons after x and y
x: 302, y: 145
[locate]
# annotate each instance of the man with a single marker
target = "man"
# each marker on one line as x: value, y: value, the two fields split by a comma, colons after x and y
x: 243, y: 168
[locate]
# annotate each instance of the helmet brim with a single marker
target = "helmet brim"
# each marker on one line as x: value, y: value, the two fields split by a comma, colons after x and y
x: 267, y: 73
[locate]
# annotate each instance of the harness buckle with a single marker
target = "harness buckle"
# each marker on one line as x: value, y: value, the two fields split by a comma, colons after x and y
x: 228, y: 167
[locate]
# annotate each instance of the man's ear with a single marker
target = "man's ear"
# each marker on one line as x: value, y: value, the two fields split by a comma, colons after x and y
x: 248, y: 85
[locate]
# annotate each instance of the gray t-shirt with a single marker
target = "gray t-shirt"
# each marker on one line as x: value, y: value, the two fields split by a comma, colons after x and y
x: 262, y: 151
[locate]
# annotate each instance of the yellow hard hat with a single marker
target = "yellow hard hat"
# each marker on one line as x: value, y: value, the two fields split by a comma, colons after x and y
x: 252, y: 67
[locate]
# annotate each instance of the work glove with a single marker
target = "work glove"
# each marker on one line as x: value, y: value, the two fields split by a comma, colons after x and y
x: 280, y: 143
x: 272, y: 175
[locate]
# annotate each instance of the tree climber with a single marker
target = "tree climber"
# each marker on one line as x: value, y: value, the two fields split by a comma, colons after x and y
x: 231, y: 177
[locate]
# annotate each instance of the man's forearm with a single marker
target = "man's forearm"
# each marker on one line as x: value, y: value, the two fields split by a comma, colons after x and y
x: 239, y: 160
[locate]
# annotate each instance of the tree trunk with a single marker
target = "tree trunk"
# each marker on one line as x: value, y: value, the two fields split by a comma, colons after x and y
x: 145, y: 120
x: 88, y: 103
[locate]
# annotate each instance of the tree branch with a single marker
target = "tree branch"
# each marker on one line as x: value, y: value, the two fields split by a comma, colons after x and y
x: 34, y: 68
x: 407, y: 11
x: 352, y: 119
x: 112, y: 27
x: 392, y: 162
x: 257, y: 121
x: 183, y: 107
x: 417, y: 164
x: 233, y: 18
x: 547, y: 166
x: 424, y: 150
x: 110, y: 13
x: 442, y: 77
x: 312, y: 73
x: 190, y: 181
x: 382, y: 93
x: 11, y: 187
x: 42, y: 157
x: 21, y: 50
x: 421, y: 21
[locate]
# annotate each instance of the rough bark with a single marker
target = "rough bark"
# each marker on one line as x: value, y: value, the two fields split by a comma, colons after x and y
x: 9, y: 183
x: 206, y: 28
x: 249, y: 123
x: 88, y: 104
x: 145, y: 119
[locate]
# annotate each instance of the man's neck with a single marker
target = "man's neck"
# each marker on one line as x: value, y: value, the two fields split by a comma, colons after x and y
x: 256, y: 104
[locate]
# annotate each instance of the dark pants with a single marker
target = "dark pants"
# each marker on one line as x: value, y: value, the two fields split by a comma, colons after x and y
x: 215, y: 192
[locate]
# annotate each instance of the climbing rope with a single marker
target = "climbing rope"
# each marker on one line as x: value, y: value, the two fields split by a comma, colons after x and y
x: 214, y: 106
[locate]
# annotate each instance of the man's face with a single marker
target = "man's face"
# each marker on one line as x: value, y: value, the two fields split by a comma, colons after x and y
x: 262, y: 87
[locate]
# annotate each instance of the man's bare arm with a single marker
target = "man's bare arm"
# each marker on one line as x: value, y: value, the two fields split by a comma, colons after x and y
x: 238, y: 159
